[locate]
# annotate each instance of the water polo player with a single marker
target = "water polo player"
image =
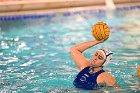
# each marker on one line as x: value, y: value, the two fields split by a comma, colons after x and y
x: 91, y: 75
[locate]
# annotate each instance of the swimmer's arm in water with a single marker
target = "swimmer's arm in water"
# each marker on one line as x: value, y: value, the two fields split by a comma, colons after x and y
x: 76, y: 53
x: 110, y: 80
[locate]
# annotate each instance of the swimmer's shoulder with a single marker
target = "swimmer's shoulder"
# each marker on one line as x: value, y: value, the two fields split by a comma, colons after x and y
x: 107, y: 78
x: 106, y: 75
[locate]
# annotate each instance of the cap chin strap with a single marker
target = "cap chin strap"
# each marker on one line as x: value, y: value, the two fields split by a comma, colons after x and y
x: 96, y: 67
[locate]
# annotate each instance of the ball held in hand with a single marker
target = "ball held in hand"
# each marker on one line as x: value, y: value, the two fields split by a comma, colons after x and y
x: 100, y: 31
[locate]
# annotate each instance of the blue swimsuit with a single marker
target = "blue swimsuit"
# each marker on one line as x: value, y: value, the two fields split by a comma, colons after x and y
x: 86, y: 80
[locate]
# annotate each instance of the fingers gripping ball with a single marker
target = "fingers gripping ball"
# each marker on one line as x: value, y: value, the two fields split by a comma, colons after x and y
x: 100, y: 31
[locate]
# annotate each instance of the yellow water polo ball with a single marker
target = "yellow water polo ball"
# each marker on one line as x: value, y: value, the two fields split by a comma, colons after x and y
x: 138, y: 71
x: 101, y: 31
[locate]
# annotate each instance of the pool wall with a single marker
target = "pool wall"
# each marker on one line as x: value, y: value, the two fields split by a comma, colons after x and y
x: 68, y: 13
x: 24, y: 5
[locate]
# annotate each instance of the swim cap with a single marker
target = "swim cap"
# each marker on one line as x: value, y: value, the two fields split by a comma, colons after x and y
x: 107, y: 55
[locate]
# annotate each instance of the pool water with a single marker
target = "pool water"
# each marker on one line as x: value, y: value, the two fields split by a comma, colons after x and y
x: 34, y: 53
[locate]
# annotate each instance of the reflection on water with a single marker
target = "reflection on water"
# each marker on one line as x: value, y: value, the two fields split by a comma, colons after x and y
x: 34, y: 53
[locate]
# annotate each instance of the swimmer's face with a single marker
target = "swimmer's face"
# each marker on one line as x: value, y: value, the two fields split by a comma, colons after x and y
x: 97, y: 59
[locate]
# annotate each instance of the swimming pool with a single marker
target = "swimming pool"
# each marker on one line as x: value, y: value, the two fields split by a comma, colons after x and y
x: 35, y: 57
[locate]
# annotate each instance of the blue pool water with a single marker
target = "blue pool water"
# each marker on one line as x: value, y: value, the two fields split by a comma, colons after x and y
x: 34, y: 52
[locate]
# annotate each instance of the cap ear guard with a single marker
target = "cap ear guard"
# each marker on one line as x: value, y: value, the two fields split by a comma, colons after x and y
x: 108, y: 54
